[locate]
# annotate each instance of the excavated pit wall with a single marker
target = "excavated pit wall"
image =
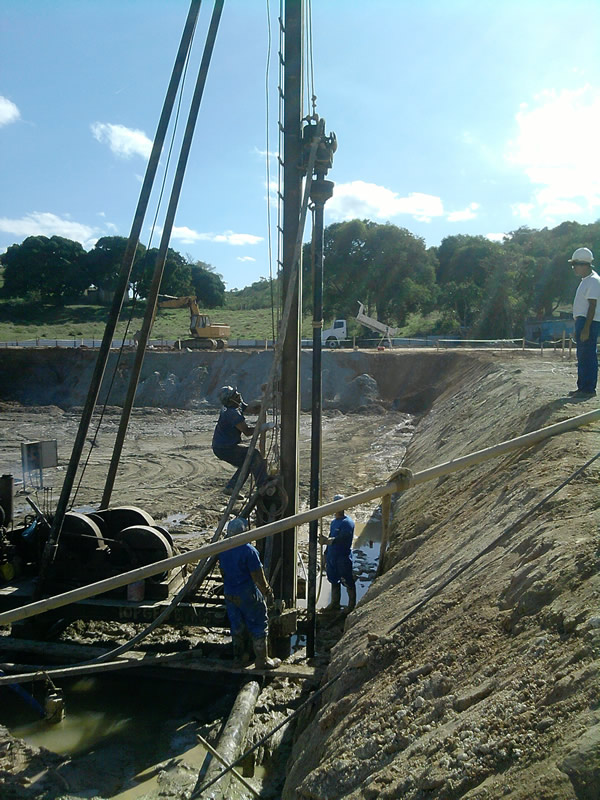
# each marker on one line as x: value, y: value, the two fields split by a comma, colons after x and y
x: 351, y: 380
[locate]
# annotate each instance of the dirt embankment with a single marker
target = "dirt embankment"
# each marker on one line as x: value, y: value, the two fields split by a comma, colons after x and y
x: 489, y: 689
x: 191, y: 380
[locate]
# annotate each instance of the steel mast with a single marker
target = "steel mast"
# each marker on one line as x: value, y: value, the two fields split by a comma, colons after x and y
x: 284, y: 549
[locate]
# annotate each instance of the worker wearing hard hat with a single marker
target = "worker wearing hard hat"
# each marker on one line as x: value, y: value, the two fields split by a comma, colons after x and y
x: 228, y: 435
x: 247, y: 594
x: 338, y: 558
x: 586, y: 313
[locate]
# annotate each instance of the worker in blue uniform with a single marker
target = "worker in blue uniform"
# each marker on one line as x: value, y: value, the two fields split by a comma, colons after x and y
x: 338, y: 558
x: 247, y: 595
x: 228, y: 435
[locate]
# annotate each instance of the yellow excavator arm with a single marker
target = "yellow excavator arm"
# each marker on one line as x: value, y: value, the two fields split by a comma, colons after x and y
x: 179, y: 302
x: 200, y: 325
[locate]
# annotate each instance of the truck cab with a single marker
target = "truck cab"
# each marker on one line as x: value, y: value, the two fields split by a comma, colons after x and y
x: 333, y: 337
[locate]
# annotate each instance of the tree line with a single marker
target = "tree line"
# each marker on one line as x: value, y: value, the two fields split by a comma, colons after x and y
x: 482, y: 288
x: 59, y: 271
x: 475, y: 286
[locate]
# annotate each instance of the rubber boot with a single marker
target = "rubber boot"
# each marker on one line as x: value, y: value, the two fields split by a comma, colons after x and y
x: 240, y: 652
x: 351, y: 598
x: 262, y: 659
x: 336, y: 595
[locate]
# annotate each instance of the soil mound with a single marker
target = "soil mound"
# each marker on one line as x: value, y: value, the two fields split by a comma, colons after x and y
x: 468, y: 676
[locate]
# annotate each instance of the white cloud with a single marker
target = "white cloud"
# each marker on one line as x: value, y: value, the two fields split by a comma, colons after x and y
x: 46, y: 224
x: 8, y: 111
x: 124, y: 142
x: 368, y: 200
x: 522, y: 210
x: 263, y: 153
x: 557, y: 149
x: 236, y: 239
x: 245, y: 258
x: 495, y: 237
x: 188, y: 236
x: 465, y: 214
x: 184, y: 234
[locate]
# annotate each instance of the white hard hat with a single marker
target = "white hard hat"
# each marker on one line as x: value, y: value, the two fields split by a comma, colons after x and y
x: 237, y: 525
x: 583, y: 254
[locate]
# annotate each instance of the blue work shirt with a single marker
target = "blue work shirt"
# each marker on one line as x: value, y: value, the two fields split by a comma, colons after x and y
x: 338, y: 555
x: 342, y: 532
x: 226, y: 433
x: 236, y: 565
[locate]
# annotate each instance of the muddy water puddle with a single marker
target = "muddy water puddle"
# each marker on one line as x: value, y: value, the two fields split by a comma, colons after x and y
x: 127, y: 733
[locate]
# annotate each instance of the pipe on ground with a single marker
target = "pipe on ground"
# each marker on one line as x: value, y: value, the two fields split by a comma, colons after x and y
x: 232, y: 739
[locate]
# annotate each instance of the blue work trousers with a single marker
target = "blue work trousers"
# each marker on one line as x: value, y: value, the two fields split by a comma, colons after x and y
x: 247, y: 610
x: 339, y: 569
x: 235, y: 455
x: 587, y: 356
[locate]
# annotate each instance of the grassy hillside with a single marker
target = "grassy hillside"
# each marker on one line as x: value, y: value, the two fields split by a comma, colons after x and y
x: 25, y: 320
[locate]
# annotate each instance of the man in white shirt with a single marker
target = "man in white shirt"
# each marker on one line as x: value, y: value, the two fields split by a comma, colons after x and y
x: 586, y: 313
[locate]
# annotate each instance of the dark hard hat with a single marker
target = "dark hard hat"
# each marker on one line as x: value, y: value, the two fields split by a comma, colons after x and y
x: 237, y: 525
x: 226, y: 393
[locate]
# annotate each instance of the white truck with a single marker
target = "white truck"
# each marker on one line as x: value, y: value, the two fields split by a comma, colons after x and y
x: 384, y: 330
x: 333, y: 337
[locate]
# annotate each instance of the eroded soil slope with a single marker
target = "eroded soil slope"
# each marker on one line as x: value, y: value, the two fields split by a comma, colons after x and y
x: 491, y: 688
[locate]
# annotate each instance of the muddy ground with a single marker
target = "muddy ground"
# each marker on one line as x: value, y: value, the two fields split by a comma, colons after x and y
x: 487, y: 690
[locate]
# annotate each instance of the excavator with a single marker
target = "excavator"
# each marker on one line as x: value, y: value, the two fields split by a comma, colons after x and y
x: 205, y: 335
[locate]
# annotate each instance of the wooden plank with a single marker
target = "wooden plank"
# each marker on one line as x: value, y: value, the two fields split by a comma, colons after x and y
x: 189, y: 661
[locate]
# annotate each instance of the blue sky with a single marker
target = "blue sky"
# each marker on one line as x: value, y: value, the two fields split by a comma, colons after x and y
x: 452, y: 116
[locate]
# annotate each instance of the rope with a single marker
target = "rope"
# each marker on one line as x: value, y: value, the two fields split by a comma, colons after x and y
x: 494, y: 543
x: 310, y: 69
x: 268, y: 168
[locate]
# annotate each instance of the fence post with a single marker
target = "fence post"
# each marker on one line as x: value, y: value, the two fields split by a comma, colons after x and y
x: 563, y: 344
x: 541, y: 348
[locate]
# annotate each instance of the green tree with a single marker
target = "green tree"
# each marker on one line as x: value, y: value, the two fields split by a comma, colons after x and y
x: 501, y: 309
x: 381, y: 265
x: 464, y: 263
x: 401, y: 277
x: 105, y: 258
x: 177, y: 274
x: 54, y: 268
x: 208, y: 285
x: 263, y: 293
